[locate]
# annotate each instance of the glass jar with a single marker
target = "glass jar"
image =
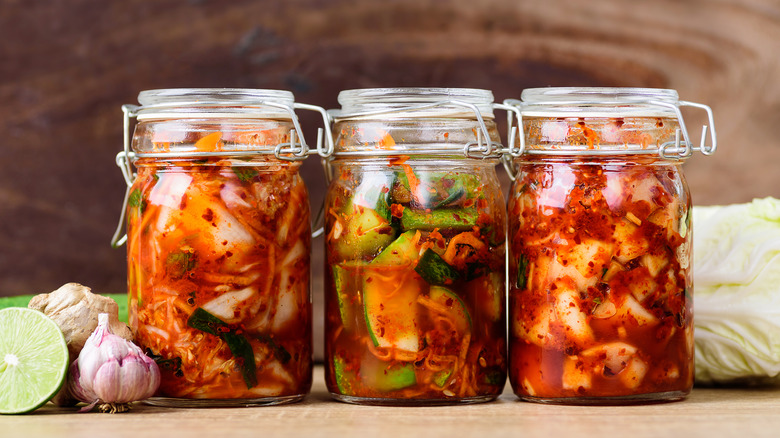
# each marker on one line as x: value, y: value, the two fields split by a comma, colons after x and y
x: 218, y: 243
x: 415, y: 249
x: 600, y: 305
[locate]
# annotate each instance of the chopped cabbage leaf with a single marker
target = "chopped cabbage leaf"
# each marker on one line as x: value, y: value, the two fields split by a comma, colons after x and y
x: 736, y: 270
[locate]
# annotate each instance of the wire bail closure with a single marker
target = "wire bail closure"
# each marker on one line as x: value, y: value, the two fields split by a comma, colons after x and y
x: 296, y: 150
x: 674, y: 150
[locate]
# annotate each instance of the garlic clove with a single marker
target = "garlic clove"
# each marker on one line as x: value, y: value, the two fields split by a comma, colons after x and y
x: 74, y: 385
x: 112, y: 371
x: 108, y: 384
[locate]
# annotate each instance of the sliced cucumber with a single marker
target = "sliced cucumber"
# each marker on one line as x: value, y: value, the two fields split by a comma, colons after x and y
x: 457, y: 219
x: 438, y: 189
x: 442, y: 377
x: 454, y: 194
x: 489, y: 295
x: 366, y: 234
x: 345, y: 379
x: 373, y: 192
x: 405, y: 249
x: 346, y: 279
x: 494, y: 299
x: 390, y: 306
x: 390, y: 294
x: 433, y: 269
x: 383, y: 377
x: 455, y: 306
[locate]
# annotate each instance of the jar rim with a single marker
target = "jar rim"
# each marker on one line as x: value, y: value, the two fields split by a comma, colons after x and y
x: 598, y: 102
x: 605, y: 95
x: 215, y: 102
x: 414, y: 102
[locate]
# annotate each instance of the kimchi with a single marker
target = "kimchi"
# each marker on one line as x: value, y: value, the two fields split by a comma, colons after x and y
x: 415, y: 282
x: 600, y: 276
x: 218, y: 271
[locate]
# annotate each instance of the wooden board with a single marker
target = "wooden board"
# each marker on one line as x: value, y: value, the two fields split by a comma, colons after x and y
x: 707, y: 413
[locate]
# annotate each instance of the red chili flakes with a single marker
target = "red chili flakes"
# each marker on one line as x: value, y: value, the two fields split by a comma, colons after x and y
x: 397, y: 210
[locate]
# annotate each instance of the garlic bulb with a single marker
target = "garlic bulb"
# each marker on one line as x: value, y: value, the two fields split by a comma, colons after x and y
x: 112, y: 371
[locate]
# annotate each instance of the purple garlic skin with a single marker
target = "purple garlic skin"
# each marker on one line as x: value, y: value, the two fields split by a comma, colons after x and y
x: 111, y: 370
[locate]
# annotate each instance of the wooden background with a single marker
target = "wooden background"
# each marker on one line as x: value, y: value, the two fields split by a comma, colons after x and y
x: 67, y: 66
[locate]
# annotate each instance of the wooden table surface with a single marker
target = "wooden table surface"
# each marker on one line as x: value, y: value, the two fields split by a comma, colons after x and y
x: 707, y: 413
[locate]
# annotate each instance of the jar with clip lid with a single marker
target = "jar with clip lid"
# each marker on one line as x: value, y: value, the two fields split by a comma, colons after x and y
x: 218, y: 243
x: 414, y: 244
x: 600, y: 281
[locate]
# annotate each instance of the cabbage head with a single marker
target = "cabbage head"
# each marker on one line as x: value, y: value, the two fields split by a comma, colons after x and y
x: 736, y: 279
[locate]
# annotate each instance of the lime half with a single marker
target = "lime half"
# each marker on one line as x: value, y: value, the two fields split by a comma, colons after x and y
x: 33, y: 360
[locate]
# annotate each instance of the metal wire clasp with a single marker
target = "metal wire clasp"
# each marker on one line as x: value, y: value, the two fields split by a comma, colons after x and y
x: 513, y: 109
x: 676, y: 150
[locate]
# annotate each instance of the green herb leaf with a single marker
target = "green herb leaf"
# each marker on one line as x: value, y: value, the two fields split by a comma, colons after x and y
x: 238, y: 344
x: 179, y: 263
x: 172, y: 364
x: 522, y: 275
x: 245, y: 357
x: 245, y: 174
x: 136, y: 200
x: 495, y: 376
x: 206, y: 322
x: 280, y: 352
x: 455, y: 192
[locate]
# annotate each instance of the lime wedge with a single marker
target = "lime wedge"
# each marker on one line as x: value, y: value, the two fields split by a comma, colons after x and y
x: 33, y: 360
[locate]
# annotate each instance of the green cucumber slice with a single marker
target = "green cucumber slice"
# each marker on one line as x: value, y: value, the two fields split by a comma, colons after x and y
x: 345, y: 379
x: 390, y: 307
x: 455, y: 305
x: 366, y: 234
x: 383, y: 377
x: 441, y: 378
x: 347, y: 282
x: 404, y: 250
x: 433, y: 269
x: 373, y: 192
x: 457, y: 219
x: 439, y: 189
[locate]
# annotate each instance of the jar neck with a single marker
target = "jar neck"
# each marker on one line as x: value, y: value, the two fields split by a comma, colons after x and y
x: 211, y: 136
x: 415, y: 103
x: 599, y: 135
x: 462, y: 138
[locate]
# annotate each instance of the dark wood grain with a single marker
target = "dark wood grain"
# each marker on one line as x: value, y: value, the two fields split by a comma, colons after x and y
x: 66, y: 67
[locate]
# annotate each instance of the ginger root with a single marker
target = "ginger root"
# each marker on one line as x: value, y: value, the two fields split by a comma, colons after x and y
x: 75, y: 309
